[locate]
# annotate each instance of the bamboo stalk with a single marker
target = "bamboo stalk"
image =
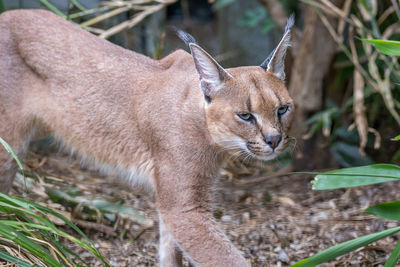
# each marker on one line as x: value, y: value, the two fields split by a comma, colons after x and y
x: 342, y: 22
x: 319, y: 6
x: 385, y: 14
x: 89, y: 12
x: 130, y: 23
x: 124, y: 3
x: 333, y: 8
x: 78, y: 5
x: 53, y: 8
x: 330, y: 28
x: 95, y: 30
x: 105, y: 16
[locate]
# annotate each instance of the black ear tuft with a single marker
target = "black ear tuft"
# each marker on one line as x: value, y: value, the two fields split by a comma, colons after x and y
x: 289, y: 23
x: 212, y: 76
x: 184, y: 36
x: 275, y: 61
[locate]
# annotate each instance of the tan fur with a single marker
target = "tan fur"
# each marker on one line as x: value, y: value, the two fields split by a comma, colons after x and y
x: 144, y: 117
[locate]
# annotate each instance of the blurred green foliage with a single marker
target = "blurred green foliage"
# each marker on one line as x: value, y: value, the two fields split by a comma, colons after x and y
x: 30, y: 238
x: 380, y: 72
x: 253, y: 17
x: 258, y: 15
x: 359, y: 176
x: 2, y: 9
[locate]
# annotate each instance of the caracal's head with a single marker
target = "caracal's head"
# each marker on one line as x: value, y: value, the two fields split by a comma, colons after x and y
x: 247, y: 108
x: 251, y: 113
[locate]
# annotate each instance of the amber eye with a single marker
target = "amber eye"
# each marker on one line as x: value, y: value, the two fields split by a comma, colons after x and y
x: 282, y: 110
x: 246, y: 116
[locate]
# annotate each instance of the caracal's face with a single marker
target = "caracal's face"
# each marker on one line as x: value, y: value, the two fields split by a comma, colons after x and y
x: 251, y: 114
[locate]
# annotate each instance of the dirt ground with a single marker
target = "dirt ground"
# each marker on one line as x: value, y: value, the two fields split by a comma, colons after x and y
x: 275, y: 219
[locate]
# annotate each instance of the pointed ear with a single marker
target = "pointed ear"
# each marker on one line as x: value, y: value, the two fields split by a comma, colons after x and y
x: 212, y: 75
x: 275, y: 62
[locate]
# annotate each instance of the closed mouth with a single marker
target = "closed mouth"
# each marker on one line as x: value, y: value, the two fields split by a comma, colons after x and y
x: 259, y: 152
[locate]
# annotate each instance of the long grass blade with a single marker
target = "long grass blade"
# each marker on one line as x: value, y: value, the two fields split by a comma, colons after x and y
x: 53, y: 8
x: 26, y: 243
x: 9, y: 149
x: 394, y: 257
x: 78, y: 5
x: 12, y: 259
x: 89, y: 12
x: 34, y: 216
x: 343, y: 248
x: 105, y: 16
x: 22, y: 225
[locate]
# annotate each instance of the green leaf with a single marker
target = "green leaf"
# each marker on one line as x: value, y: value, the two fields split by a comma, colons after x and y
x: 394, y: 257
x: 78, y: 5
x: 9, y: 149
x: 348, y: 155
x: 388, y: 47
x: 332, y: 111
x: 342, y: 134
x: 33, y: 222
x: 72, y: 197
x: 397, y: 138
x: 343, y: 248
x: 252, y: 17
x: 26, y: 243
x: 12, y: 259
x: 314, y: 128
x: 357, y: 176
x: 396, y: 157
x: 21, y: 226
x: 326, y: 125
x: 300, y: 263
x: 268, y: 25
x: 387, y: 210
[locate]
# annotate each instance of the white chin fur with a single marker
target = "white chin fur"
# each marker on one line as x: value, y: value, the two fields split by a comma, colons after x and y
x: 267, y: 157
x: 270, y: 155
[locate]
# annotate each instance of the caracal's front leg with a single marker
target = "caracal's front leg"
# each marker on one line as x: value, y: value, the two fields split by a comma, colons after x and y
x: 169, y: 253
x: 183, y: 202
x: 17, y: 133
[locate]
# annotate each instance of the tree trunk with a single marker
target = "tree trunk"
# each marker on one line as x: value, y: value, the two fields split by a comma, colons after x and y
x: 316, y: 50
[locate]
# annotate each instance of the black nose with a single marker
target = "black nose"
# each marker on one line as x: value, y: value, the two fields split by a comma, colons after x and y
x: 273, y: 140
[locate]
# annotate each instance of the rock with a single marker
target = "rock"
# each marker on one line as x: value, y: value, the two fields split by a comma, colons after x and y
x: 226, y: 218
x: 283, y: 256
x: 246, y: 216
